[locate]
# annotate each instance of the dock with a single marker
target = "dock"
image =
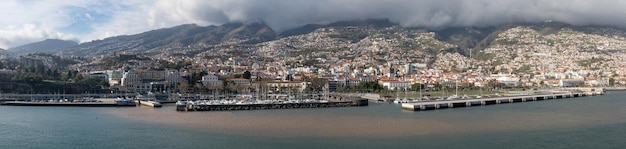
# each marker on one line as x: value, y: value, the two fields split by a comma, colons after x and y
x: 232, y: 107
x: 63, y: 104
x: 432, y: 105
x: 620, y: 88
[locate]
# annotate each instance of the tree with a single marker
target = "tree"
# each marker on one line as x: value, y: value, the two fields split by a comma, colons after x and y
x: 56, y: 75
x: 198, y: 87
x: 317, y: 84
x: 247, y: 74
x: 197, y: 76
x: 214, y: 88
x: 78, y: 77
x: 371, y: 85
x: 183, y: 86
x: 611, y: 81
x: 438, y: 86
x: 416, y: 86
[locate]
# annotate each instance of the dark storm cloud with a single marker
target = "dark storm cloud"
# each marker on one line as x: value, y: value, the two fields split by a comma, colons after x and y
x: 284, y: 14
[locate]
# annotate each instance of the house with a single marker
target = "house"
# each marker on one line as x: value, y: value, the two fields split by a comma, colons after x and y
x: 144, y: 81
x: 239, y: 81
x: 509, y: 81
x: 210, y: 80
x: 395, y: 85
x: 571, y: 82
x: 277, y: 85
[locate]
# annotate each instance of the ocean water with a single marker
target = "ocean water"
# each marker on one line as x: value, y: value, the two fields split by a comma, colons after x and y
x: 586, y: 122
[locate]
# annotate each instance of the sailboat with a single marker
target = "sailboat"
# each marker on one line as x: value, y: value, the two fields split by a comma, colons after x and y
x: 456, y: 94
x: 480, y: 93
x: 397, y: 97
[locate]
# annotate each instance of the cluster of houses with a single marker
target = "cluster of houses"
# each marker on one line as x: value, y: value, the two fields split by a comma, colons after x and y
x: 169, y: 81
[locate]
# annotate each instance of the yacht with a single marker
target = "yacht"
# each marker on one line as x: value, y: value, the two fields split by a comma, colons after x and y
x: 453, y: 97
x: 125, y: 102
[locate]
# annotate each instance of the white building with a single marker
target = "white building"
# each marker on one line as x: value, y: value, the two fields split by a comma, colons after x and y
x: 211, y: 80
x: 396, y: 85
x: 240, y: 81
x: 509, y: 81
x: 571, y: 82
x: 145, y: 81
x: 297, y: 85
x: 597, y: 82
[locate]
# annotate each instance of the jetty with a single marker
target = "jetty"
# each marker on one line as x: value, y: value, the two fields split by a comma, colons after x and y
x: 205, y: 106
x: 431, y: 105
x: 61, y: 103
x: 615, y: 88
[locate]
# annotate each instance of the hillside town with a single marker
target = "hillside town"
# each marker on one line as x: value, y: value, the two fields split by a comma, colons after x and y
x: 340, y: 60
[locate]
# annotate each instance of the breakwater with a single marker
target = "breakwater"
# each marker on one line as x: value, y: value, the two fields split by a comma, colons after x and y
x: 232, y: 107
x: 431, y: 105
x: 65, y: 104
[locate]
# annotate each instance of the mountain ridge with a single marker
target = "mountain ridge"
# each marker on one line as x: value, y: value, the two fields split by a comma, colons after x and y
x: 193, y: 39
x: 45, y: 46
x: 182, y: 36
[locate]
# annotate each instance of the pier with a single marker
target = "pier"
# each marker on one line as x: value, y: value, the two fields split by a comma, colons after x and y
x: 232, y: 107
x: 431, y: 105
x: 106, y: 103
x: 618, y: 88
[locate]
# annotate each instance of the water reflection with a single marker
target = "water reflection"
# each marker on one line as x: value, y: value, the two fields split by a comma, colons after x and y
x: 382, y: 120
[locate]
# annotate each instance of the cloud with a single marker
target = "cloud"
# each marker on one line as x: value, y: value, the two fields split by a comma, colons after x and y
x: 28, y: 33
x: 285, y: 14
x: 28, y: 21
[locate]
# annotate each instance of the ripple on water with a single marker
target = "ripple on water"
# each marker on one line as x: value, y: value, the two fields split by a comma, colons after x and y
x: 379, y: 120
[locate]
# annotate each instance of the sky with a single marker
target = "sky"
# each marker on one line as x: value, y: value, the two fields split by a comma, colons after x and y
x: 27, y: 21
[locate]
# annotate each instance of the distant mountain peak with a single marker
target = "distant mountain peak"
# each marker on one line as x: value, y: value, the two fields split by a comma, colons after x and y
x: 46, y: 46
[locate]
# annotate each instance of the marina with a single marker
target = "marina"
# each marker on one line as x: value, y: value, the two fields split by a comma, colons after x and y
x: 336, y: 100
x: 230, y: 105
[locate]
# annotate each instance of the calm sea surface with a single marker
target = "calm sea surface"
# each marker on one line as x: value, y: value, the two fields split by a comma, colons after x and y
x: 587, y: 122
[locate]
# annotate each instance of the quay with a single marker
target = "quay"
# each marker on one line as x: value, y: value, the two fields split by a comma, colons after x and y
x: 26, y: 97
x: 431, y: 105
x: 621, y: 88
x: 232, y: 107
x: 69, y: 104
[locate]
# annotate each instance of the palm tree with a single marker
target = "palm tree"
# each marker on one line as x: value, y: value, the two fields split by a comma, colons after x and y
x: 210, y: 87
x: 230, y: 87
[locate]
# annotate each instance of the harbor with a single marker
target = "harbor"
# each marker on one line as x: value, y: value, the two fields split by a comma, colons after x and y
x: 335, y: 100
x: 379, y: 125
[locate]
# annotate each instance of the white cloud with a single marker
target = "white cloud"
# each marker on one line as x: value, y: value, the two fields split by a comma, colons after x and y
x: 28, y: 33
x: 88, y: 16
